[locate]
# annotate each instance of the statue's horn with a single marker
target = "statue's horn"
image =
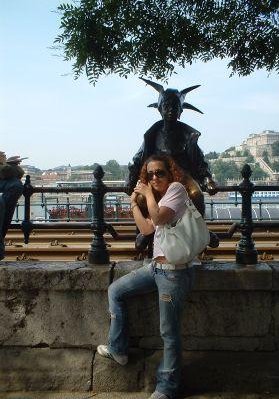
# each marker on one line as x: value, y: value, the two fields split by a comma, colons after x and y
x: 155, y: 86
x: 153, y: 105
x: 185, y: 91
x: 189, y: 106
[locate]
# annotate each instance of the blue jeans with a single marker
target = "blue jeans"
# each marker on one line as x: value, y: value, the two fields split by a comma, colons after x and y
x: 172, y: 288
x: 11, y: 190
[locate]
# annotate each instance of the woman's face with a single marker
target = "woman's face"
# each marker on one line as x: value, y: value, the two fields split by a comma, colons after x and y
x: 158, y: 176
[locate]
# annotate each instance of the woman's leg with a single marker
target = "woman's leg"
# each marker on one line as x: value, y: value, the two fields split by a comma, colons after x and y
x: 173, y: 287
x: 137, y: 282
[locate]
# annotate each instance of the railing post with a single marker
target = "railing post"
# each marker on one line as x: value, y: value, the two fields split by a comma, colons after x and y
x: 98, y: 253
x: 246, y: 252
x: 26, y: 225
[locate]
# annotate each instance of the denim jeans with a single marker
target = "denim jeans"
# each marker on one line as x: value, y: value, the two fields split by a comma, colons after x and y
x: 11, y: 190
x: 172, y: 287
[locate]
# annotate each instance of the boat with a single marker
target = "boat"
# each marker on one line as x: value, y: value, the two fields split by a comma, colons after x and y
x: 257, y: 195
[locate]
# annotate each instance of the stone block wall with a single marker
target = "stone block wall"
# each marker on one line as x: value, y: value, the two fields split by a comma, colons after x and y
x: 53, y: 315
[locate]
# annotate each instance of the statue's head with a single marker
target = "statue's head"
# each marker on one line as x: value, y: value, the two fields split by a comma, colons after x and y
x: 171, y: 101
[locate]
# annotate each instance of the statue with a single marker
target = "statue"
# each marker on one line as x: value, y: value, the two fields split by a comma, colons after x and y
x: 178, y: 140
x: 11, y: 189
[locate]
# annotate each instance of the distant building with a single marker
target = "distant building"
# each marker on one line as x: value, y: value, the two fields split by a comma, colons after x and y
x: 81, y: 174
x: 34, y: 173
x: 257, y: 144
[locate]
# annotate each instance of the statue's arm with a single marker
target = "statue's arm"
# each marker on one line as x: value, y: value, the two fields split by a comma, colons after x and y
x: 202, y: 170
x: 134, y: 169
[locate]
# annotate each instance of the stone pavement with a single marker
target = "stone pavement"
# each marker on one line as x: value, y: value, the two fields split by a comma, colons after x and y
x: 125, y: 395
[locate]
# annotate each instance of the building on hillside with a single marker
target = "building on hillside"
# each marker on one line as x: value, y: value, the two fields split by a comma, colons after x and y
x: 257, y: 144
x: 81, y: 174
x: 34, y: 173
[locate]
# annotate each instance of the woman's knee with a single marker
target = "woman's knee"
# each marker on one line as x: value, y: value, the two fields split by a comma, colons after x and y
x: 114, y: 291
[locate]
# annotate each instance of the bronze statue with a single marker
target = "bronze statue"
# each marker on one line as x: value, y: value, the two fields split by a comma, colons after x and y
x: 178, y: 140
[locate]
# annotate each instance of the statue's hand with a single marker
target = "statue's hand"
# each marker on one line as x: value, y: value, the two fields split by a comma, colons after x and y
x: 211, y: 186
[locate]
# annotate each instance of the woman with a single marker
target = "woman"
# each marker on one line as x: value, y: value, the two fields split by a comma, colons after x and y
x: 166, y: 201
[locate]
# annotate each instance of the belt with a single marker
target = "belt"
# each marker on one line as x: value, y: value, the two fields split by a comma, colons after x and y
x: 169, y: 266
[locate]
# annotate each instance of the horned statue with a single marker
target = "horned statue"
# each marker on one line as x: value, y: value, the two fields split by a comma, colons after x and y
x: 177, y: 139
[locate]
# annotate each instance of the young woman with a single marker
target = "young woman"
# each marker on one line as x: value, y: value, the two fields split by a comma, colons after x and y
x: 166, y: 197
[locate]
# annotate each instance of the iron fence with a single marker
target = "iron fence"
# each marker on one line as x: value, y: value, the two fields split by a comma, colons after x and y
x: 246, y: 252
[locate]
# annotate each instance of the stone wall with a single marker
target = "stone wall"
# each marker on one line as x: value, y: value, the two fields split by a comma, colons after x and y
x: 53, y: 315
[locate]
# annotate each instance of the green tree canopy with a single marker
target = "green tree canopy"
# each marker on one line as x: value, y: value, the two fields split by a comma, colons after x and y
x: 258, y: 173
x: 265, y: 157
x: 150, y: 37
x: 224, y: 170
x: 211, y: 155
x: 113, y: 170
x: 249, y: 158
x: 275, y: 148
x: 275, y: 166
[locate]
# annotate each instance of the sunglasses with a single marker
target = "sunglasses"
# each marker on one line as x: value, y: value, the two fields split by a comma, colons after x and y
x: 158, y: 173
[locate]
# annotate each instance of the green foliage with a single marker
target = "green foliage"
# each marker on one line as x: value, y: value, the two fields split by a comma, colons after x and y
x: 258, y: 173
x: 249, y: 157
x: 230, y: 149
x: 211, y: 155
x: 225, y: 155
x: 265, y: 157
x: 275, y: 148
x: 246, y: 153
x: 223, y: 170
x: 150, y: 37
x: 113, y: 171
x: 275, y: 166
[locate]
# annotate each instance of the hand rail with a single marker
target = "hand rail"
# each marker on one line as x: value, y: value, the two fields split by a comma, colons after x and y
x: 246, y: 252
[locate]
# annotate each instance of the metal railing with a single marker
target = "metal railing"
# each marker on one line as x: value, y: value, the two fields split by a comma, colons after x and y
x: 246, y: 252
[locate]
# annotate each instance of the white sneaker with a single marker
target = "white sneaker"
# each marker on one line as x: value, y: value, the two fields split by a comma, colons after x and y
x: 121, y: 359
x: 158, y: 395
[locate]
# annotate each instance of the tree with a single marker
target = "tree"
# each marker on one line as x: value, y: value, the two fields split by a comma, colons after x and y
x: 150, y: 37
x: 265, y: 156
x: 258, y: 173
x: 275, y: 166
x: 230, y: 149
x: 211, y: 155
x: 249, y: 158
x: 275, y: 148
x: 223, y: 170
x: 113, y: 170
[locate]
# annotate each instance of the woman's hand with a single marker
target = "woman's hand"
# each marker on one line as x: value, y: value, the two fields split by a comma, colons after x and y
x: 144, y: 189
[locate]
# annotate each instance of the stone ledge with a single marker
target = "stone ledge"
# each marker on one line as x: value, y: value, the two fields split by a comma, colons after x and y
x: 58, y: 276
x: 61, y: 276
x: 217, y: 276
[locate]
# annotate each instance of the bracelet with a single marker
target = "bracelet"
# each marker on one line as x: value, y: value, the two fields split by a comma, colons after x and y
x: 132, y: 207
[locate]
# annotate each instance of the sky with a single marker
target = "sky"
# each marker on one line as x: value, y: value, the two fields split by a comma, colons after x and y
x: 54, y: 120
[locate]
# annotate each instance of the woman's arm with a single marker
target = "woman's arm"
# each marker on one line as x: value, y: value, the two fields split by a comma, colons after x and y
x: 144, y: 225
x: 159, y: 215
